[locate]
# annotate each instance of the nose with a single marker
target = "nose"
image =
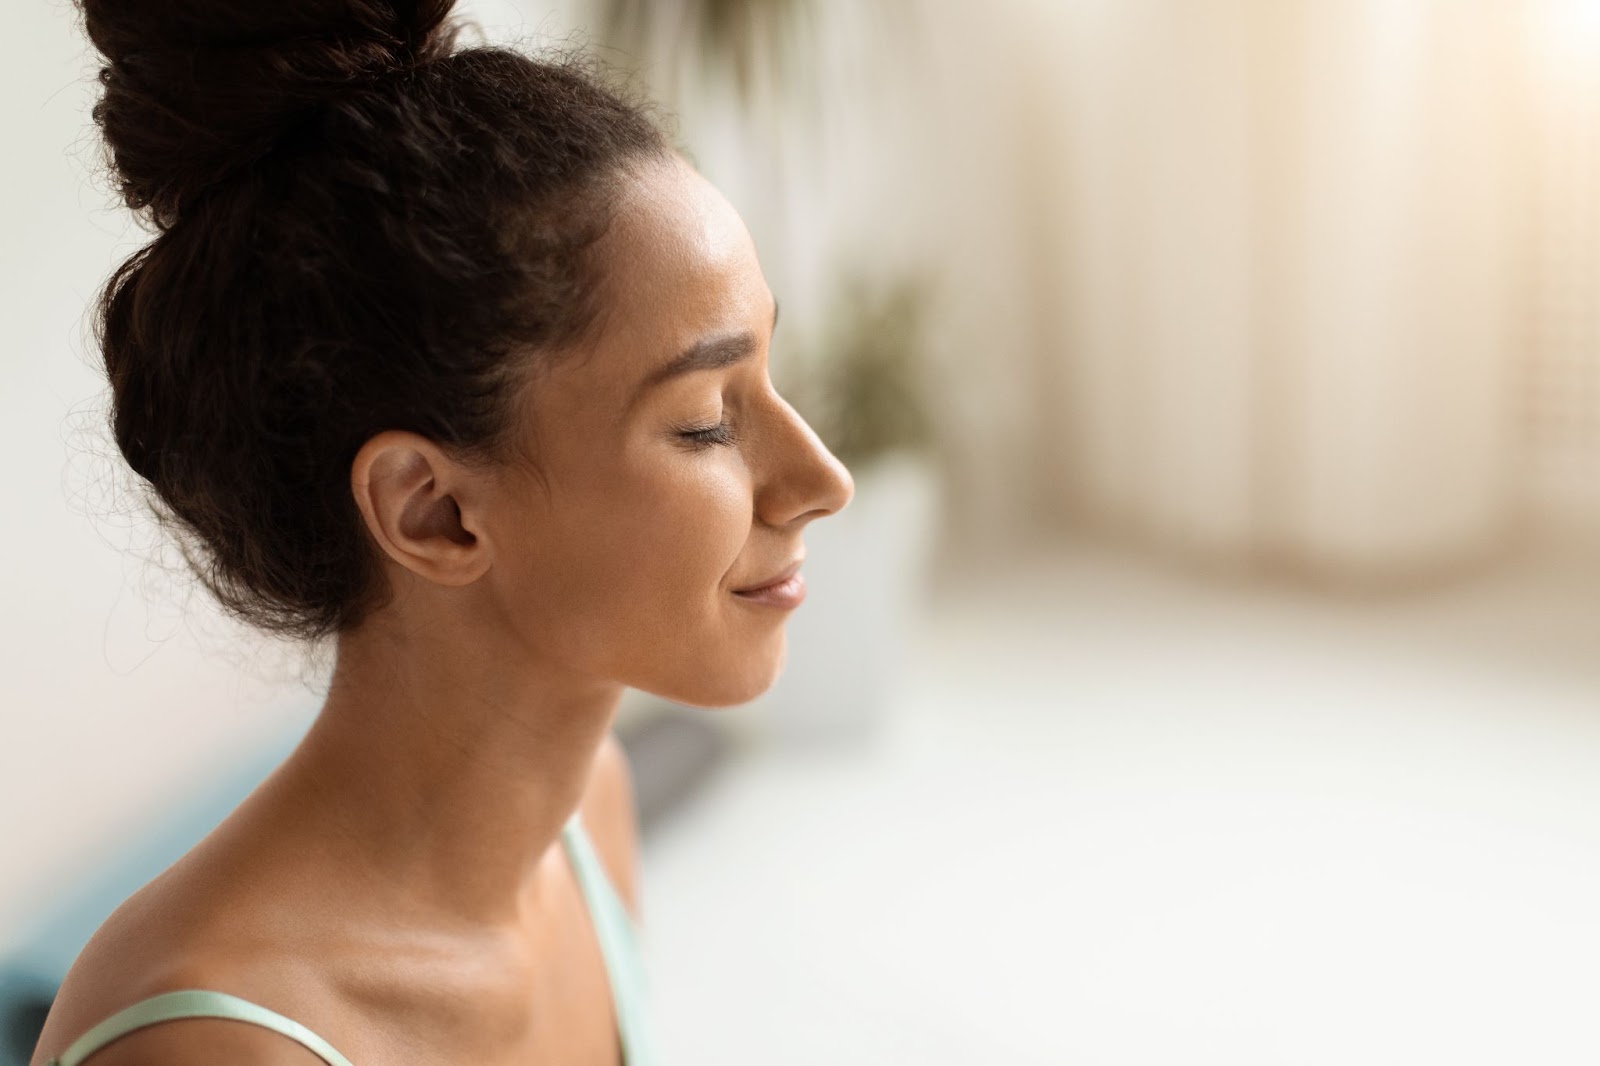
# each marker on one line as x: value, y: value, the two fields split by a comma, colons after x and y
x: 802, y: 480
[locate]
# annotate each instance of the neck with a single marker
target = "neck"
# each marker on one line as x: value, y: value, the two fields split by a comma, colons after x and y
x: 447, y: 775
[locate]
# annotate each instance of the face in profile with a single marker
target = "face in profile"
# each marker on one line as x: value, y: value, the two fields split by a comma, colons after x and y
x: 658, y: 494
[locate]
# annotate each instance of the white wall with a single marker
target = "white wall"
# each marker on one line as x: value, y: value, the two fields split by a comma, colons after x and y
x: 109, y: 700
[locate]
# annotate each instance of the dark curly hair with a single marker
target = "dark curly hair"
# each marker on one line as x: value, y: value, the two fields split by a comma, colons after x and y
x: 359, y: 225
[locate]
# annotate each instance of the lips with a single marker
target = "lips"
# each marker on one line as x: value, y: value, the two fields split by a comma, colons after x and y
x: 776, y: 579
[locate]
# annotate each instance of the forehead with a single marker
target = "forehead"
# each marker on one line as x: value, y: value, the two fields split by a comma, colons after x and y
x: 676, y: 264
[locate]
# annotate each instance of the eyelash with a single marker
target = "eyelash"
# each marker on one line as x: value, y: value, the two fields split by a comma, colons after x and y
x: 720, y: 434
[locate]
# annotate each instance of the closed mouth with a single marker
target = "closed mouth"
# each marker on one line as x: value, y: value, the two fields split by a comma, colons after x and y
x: 777, y: 579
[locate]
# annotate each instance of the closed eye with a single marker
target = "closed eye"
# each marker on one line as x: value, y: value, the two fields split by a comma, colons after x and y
x: 720, y: 434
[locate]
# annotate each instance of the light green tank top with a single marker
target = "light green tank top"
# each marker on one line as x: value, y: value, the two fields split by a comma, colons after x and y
x: 614, y: 928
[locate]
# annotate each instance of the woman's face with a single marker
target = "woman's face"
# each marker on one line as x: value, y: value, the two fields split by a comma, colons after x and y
x: 619, y: 557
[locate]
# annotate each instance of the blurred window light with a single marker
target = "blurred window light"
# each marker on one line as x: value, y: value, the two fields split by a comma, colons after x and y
x: 1561, y: 408
x: 1567, y: 30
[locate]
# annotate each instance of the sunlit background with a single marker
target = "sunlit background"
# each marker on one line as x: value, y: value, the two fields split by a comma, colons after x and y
x: 1208, y: 668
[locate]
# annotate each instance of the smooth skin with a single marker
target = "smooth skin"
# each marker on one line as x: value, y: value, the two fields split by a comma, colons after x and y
x: 398, y: 884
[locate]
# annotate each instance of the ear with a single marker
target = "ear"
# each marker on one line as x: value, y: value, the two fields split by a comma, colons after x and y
x: 421, y: 507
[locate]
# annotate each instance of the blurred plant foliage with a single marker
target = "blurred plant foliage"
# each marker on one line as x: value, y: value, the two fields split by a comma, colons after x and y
x: 752, y: 41
x: 862, y: 390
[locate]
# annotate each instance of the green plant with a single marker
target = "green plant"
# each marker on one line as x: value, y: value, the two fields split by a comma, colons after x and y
x: 748, y: 40
x: 863, y: 390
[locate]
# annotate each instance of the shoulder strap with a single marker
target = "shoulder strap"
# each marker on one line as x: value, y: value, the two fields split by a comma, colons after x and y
x: 619, y: 943
x: 192, y: 1003
x: 591, y: 870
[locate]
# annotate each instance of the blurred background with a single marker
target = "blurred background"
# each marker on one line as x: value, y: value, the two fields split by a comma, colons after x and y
x: 1208, y: 668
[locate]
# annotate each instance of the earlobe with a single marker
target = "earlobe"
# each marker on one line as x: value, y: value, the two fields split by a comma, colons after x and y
x: 409, y: 494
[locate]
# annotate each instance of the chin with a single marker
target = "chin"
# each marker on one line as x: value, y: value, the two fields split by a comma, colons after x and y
x: 720, y: 696
x: 727, y: 684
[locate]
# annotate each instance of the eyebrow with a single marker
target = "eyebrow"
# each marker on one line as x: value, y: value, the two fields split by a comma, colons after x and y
x: 712, y: 353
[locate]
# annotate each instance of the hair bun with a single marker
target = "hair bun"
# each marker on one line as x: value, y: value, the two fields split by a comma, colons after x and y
x: 194, y: 90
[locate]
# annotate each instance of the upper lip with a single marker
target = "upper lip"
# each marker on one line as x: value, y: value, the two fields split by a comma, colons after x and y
x: 782, y: 575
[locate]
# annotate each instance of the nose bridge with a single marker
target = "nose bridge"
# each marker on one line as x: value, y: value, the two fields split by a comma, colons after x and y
x: 800, y: 476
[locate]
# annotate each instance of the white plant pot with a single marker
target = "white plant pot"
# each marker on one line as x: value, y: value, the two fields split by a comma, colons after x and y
x: 866, y: 570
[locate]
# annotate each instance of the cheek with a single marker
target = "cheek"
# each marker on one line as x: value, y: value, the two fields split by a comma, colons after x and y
x: 630, y: 579
x: 694, y: 519
x: 658, y: 541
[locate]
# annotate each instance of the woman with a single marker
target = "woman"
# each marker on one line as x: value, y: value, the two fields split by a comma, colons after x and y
x: 445, y: 356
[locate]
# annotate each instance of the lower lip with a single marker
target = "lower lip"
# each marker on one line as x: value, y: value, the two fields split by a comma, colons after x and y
x: 787, y: 594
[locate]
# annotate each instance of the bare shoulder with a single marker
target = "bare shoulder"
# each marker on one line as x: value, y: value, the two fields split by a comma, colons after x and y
x: 608, y: 813
x: 156, y: 941
x: 119, y: 971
